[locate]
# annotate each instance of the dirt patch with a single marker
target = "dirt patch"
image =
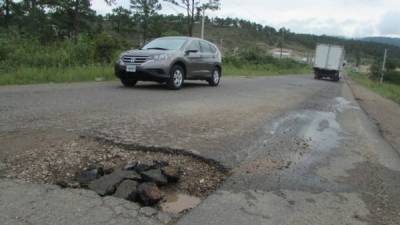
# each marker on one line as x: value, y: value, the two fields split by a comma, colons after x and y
x: 64, y: 158
x: 259, y: 166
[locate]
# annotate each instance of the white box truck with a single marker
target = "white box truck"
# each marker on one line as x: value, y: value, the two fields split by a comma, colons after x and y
x: 329, y: 61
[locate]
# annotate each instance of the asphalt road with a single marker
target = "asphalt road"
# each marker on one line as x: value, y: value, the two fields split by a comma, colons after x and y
x: 301, y: 151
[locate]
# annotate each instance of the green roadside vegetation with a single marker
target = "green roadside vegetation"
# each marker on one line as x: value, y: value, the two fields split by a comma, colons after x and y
x: 389, y: 89
x: 27, y: 61
x: 31, y: 75
x: 101, y: 72
x: 264, y: 70
x: 252, y: 62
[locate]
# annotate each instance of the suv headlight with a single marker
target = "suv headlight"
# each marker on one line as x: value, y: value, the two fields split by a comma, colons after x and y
x: 161, y: 57
x: 120, y: 61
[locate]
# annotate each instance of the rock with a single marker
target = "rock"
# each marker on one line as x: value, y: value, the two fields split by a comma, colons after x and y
x: 62, y: 183
x: 127, y: 190
x: 107, y: 184
x: 148, y: 211
x: 141, y: 167
x: 154, y: 175
x: 130, y: 166
x: 159, y: 164
x: 108, y: 170
x: 149, y: 194
x: 99, y: 79
x: 172, y: 173
x: 65, y: 184
x: 85, y: 177
x: 74, y: 185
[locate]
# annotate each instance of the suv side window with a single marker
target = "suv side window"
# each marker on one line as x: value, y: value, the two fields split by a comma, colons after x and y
x: 205, y: 47
x: 213, y: 49
x: 194, y: 45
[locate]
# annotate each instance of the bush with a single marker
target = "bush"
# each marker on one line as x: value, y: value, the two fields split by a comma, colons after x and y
x: 375, y: 70
x: 74, y: 53
x: 17, y: 52
x: 105, y: 47
x: 5, y: 49
x: 256, y: 57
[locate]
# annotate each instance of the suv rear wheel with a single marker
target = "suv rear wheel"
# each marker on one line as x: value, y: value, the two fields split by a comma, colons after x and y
x: 177, y: 76
x: 215, y: 77
x: 129, y: 82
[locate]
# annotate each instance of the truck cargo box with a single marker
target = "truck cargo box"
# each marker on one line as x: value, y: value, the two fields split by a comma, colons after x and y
x: 328, y: 61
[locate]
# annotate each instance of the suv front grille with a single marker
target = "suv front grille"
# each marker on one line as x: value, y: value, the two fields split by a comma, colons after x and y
x: 136, y: 60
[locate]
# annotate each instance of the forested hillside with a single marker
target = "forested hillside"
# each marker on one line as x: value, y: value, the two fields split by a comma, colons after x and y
x: 384, y: 40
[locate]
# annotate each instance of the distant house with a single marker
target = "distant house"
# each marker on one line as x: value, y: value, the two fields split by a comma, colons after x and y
x: 284, y: 53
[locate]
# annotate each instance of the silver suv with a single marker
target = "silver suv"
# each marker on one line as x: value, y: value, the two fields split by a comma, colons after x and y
x: 171, y: 60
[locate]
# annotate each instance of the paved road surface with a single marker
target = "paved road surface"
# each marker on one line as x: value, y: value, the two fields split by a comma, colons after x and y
x: 301, y: 151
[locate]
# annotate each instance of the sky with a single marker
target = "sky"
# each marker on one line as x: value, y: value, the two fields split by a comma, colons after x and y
x: 351, y: 18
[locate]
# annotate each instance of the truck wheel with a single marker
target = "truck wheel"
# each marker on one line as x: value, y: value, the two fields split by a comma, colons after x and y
x: 129, y: 82
x: 317, y: 77
x: 215, y: 78
x: 177, y: 76
x: 336, y: 78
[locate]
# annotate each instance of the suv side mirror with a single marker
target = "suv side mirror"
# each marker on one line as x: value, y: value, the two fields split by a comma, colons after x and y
x: 187, y: 52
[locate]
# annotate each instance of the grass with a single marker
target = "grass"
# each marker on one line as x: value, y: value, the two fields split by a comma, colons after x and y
x: 32, y: 75
x: 263, y: 70
x: 388, y: 89
x: 29, y: 75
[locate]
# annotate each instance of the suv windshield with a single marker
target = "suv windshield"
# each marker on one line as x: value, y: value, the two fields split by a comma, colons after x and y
x: 166, y: 44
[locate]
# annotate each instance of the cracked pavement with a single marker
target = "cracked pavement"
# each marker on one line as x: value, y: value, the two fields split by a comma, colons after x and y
x: 301, y: 151
x: 24, y: 203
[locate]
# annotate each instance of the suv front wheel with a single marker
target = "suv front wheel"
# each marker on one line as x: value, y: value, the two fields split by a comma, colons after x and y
x: 215, y: 77
x: 177, y: 76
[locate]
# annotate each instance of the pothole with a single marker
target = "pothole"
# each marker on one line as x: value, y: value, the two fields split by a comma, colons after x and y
x: 167, y: 180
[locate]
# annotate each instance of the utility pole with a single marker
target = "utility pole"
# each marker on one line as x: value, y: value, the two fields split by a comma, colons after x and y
x: 7, y: 7
x: 383, y: 66
x: 281, y: 43
x: 212, y: 6
x: 202, y: 22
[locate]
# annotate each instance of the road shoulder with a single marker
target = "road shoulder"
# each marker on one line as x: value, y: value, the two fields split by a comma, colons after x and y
x: 384, y: 112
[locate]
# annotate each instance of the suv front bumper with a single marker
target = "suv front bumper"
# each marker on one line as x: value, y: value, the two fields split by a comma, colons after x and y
x: 142, y: 73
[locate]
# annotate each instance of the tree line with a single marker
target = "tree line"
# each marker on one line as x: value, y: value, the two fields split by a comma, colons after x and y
x: 50, y: 21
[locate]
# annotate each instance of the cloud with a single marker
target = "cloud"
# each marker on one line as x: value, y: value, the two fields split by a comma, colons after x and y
x: 329, y: 26
x: 390, y: 24
x: 101, y: 7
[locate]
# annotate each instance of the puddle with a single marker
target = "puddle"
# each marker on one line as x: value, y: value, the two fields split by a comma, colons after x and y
x: 177, y: 203
x: 343, y: 104
x: 285, y: 121
x: 323, y: 130
x: 320, y: 129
